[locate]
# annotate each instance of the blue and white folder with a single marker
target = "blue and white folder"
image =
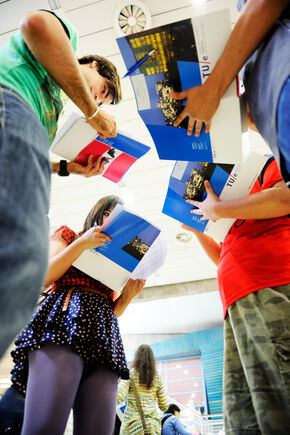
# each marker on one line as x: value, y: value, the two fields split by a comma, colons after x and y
x: 76, y: 140
x: 185, y: 54
x: 115, y: 261
x: 227, y: 181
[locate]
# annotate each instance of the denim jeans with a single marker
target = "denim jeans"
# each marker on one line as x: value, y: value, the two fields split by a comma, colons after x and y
x: 24, y: 200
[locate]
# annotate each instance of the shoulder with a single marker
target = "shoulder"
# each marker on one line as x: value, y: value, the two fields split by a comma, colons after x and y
x: 64, y: 233
x: 70, y: 30
x: 158, y: 379
x: 269, y: 175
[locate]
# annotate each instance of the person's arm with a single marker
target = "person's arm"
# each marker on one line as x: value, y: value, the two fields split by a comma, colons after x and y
x: 255, y: 21
x: 62, y: 255
x: 209, y: 245
x: 180, y: 429
x: 47, y: 40
x: 123, y: 390
x: 132, y: 288
x: 161, y: 396
x: 89, y: 170
x: 266, y: 204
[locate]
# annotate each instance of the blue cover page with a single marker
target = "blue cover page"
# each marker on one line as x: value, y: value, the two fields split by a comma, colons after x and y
x: 173, y: 66
x: 126, y: 144
x: 131, y: 238
x: 187, y: 182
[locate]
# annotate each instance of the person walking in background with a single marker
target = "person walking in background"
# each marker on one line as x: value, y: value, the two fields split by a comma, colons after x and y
x: 171, y: 425
x: 70, y: 355
x: 254, y: 284
x: 264, y: 25
x: 150, y: 392
x: 38, y: 66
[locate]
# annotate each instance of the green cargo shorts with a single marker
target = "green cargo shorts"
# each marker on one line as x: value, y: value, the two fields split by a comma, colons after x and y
x: 257, y: 364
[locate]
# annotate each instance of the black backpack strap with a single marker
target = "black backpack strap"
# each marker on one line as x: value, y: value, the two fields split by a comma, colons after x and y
x: 163, y: 420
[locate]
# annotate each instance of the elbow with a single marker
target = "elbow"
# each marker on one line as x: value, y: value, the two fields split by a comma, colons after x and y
x: 47, y: 283
x: 117, y: 313
x: 284, y: 202
x: 38, y: 26
x: 32, y: 23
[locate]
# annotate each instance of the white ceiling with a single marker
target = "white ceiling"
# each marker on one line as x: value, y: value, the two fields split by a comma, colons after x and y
x: 146, y: 183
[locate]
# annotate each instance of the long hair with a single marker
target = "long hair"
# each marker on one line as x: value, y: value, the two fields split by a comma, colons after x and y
x: 145, y: 365
x: 107, y: 70
x: 95, y: 216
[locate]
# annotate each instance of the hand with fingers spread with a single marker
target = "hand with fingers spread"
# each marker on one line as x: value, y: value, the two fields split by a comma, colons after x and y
x: 132, y: 288
x: 201, y: 104
x: 207, y: 209
x: 93, y: 238
x: 90, y: 169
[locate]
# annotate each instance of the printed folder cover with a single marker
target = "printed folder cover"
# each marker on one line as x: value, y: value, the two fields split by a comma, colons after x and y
x: 228, y: 182
x: 76, y: 140
x: 113, y: 263
x: 185, y: 53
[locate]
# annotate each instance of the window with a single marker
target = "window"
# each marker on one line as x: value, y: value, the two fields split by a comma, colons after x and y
x: 184, y: 382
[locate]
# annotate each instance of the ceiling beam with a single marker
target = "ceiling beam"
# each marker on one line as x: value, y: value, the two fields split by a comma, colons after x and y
x: 176, y: 290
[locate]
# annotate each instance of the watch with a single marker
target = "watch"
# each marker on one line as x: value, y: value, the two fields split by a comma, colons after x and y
x: 63, y: 172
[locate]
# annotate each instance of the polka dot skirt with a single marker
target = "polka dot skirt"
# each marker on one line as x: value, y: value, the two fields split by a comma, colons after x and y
x: 89, y: 326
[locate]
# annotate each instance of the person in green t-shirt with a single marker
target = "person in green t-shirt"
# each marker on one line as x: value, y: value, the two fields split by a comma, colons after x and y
x: 38, y: 71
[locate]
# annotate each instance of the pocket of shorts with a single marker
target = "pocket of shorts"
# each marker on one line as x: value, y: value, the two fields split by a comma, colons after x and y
x: 282, y: 347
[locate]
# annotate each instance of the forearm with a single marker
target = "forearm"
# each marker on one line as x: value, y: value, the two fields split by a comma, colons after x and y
x: 55, y: 167
x: 267, y: 204
x: 121, y: 304
x: 50, y: 45
x: 61, y: 262
x: 210, y: 246
x: 256, y: 20
x: 72, y: 168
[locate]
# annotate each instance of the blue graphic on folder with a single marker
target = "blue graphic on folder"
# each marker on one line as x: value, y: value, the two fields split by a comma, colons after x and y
x: 173, y: 66
x: 126, y: 144
x: 187, y: 182
x: 131, y: 236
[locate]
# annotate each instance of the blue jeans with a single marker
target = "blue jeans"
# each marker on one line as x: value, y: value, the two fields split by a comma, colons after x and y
x: 24, y: 200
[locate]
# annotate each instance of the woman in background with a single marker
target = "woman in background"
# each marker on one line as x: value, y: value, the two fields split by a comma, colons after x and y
x: 151, y: 392
x: 71, y: 353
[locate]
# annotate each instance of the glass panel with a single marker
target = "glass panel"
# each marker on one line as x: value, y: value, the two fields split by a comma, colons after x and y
x: 184, y: 381
x: 188, y: 372
x: 179, y: 363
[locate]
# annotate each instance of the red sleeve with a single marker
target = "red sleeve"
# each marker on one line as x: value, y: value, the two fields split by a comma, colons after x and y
x: 65, y: 233
x: 271, y: 175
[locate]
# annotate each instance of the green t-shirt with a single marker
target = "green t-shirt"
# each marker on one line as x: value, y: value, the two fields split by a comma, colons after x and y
x: 20, y: 71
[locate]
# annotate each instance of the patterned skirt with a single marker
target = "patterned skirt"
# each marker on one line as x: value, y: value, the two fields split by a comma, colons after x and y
x: 89, y: 326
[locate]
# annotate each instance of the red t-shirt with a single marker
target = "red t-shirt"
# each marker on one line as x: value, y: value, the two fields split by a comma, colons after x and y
x: 255, y: 253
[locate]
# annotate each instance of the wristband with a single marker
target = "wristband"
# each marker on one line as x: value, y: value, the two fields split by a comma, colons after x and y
x: 63, y: 172
x: 94, y: 114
